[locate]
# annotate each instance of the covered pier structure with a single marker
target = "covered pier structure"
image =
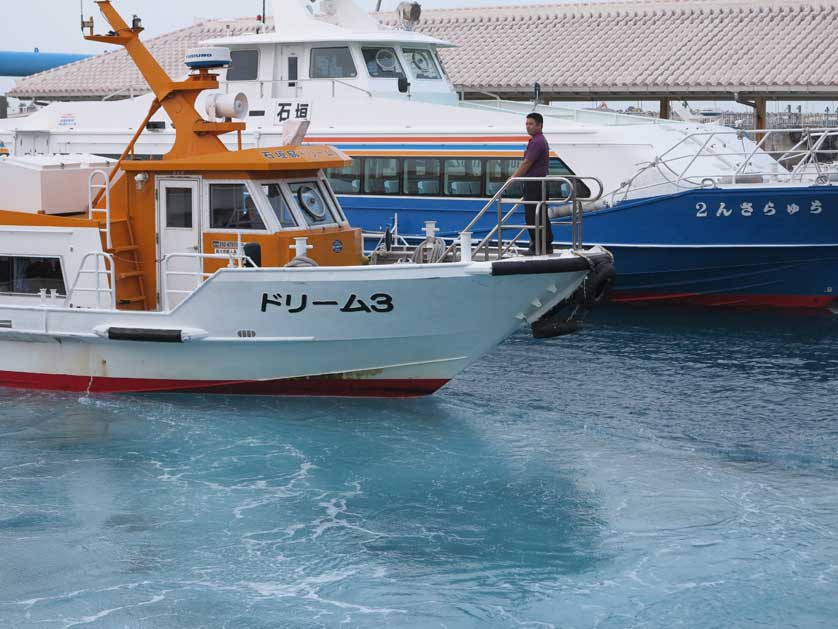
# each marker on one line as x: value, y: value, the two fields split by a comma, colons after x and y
x: 749, y: 51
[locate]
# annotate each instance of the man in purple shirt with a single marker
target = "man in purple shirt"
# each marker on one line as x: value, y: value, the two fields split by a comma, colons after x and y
x: 536, y: 164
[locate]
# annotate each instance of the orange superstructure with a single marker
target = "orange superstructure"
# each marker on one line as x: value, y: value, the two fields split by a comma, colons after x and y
x: 202, y: 198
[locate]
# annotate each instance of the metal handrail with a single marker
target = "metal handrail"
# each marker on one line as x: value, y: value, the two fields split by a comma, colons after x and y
x: 787, y: 164
x: 109, y: 270
x: 287, y: 83
x: 119, y: 92
x: 107, y: 209
x: 201, y: 276
x: 543, y: 206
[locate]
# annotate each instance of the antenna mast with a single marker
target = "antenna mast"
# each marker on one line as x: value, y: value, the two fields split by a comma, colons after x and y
x: 378, y: 6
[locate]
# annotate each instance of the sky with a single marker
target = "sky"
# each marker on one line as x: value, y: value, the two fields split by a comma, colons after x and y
x: 57, y: 21
x: 53, y: 26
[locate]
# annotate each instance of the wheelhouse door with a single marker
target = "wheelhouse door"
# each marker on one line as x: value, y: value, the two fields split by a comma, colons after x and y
x: 288, y: 72
x: 179, y: 221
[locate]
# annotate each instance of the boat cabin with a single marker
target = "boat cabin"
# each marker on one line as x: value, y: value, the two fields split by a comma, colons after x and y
x: 333, y: 49
x: 142, y: 233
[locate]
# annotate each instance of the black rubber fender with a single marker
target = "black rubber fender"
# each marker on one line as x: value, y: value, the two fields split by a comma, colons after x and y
x: 597, y: 286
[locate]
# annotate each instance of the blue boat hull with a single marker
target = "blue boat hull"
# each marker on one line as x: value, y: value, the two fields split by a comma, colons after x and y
x: 747, y: 246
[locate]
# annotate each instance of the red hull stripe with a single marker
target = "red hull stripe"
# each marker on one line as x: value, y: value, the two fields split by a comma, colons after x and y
x: 321, y: 386
x: 721, y: 299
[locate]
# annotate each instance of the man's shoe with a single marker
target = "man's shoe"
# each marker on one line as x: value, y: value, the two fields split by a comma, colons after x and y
x: 528, y: 252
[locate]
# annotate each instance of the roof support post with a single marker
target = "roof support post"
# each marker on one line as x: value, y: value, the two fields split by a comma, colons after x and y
x: 760, y: 116
x: 664, y: 115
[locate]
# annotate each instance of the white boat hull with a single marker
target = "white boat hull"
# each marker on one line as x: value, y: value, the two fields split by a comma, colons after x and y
x: 399, y: 330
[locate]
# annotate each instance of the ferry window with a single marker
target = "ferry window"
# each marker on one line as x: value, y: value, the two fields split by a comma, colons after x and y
x: 346, y: 180
x: 231, y: 207
x: 382, y: 63
x: 332, y: 63
x: 245, y: 65
x: 463, y: 177
x: 178, y: 207
x: 279, y: 205
x: 422, y: 176
x: 497, y: 172
x: 421, y: 63
x: 559, y: 169
x: 381, y: 176
x: 27, y: 276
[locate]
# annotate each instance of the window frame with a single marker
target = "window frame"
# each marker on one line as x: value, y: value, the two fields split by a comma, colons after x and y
x: 232, y: 65
x: 332, y: 205
x: 269, y: 208
x: 356, y: 161
x: 399, y: 176
x: 61, y: 266
x: 255, y: 194
x: 482, y: 183
x: 311, y: 64
x: 166, y: 200
x: 430, y: 51
x: 396, y: 56
x: 440, y: 178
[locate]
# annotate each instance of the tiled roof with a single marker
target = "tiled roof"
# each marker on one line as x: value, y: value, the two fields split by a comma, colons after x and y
x: 114, y: 72
x: 647, y: 46
x: 665, y: 47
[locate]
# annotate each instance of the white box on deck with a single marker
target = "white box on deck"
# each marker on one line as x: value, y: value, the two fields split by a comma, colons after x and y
x: 56, y: 184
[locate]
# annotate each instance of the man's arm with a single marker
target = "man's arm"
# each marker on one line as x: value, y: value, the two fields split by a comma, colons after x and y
x: 523, y: 169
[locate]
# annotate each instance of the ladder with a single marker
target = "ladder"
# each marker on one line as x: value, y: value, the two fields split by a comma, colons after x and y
x: 119, y: 242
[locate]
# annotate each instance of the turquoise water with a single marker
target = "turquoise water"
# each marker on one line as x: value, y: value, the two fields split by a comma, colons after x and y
x: 661, y: 469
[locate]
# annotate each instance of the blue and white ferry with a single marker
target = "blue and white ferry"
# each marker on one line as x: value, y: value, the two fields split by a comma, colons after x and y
x: 692, y: 213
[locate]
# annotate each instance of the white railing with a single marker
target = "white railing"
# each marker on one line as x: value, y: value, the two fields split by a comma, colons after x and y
x: 107, y: 288
x: 295, y: 85
x: 92, y: 190
x: 234, y: 260
x: 752, y: 162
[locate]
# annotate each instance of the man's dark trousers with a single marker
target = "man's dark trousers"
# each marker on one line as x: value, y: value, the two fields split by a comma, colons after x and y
x: 532, y: 192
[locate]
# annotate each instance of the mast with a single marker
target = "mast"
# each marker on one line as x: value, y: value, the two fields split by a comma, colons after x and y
x: 194, y: 136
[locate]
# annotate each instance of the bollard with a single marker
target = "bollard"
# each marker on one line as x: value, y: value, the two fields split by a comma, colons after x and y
x: 465, y: 247
x: 301, y: 247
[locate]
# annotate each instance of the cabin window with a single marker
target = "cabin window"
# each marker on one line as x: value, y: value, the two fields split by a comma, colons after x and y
x: 332, y: 63
x: 279, y: 205
x: 179, y: 207
x: 497, y: 172
x: 346, y: 180
x: 421, y: 62
x: 27, y: 276
x: 382, y: 176
x: 463, y: 177
x: 312, y: 203
x: 382, y: 63
x: 422, y: 177
x: 244, y: 66
x: 232, y: 207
